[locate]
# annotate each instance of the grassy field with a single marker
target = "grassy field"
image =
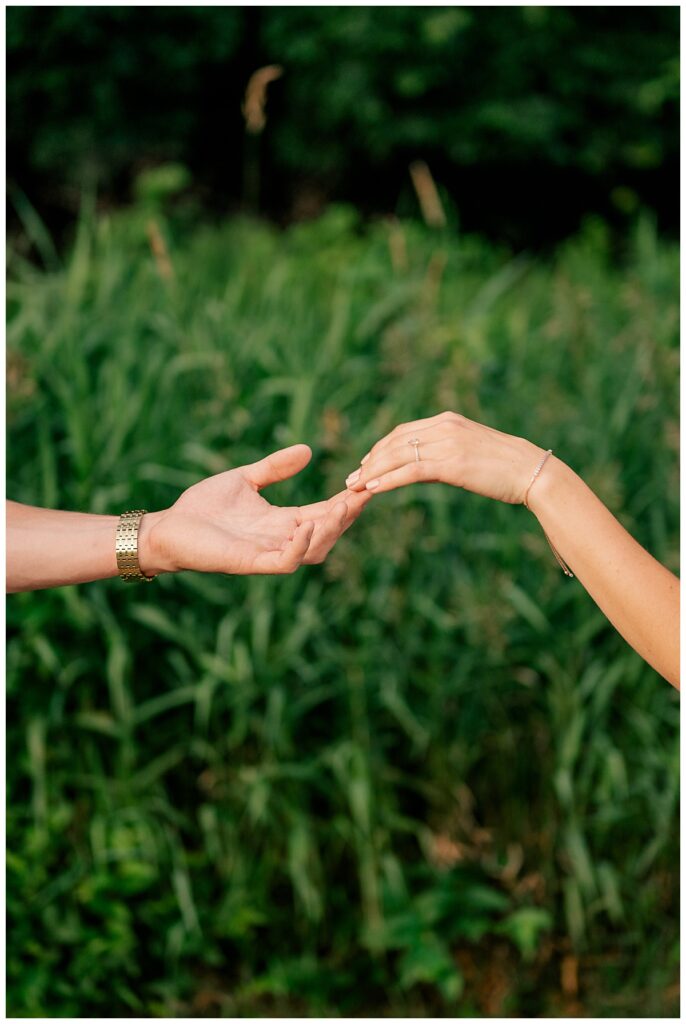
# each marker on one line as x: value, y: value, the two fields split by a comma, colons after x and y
x: 424, y: 778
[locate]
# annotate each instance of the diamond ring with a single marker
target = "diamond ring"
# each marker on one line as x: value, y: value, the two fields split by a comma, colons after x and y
x: 415, y: 443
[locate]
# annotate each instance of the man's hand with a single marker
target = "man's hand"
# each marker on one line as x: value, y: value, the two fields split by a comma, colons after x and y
x: 223, y: 524
x: 331, y: 518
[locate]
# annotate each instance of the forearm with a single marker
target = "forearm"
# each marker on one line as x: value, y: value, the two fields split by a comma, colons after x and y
x: 49, y: 548
x: 637, y: 594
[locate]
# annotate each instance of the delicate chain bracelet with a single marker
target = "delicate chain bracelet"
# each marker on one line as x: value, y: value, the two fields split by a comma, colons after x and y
x: 126, y: 547
x: 561, y: 562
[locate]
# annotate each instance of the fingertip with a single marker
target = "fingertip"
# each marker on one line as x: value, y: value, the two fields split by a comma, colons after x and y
x: 306, y: 532
x: 277, y: 466
x: 356, y: 486
x: 297, y: 549
x: 304, y: 450
x: 303, y: 531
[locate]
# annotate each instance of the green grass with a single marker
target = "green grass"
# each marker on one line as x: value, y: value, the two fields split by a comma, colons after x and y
x: 412, y: 780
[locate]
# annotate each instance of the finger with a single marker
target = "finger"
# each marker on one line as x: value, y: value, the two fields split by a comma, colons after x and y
x: 321, y: 509
x: 393, y: 458
x: 278, y: 466
x: 295, y: 551
x: 291, y: 556
x: 426, y: 436
x: 406, y: 428
x: 414, y: 473
x: 356, y: 501
x: 327, y: 531
x: 397, y: 439
x: 333, y: 519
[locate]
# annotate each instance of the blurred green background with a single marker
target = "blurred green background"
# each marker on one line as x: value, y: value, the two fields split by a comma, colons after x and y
x: 426, y: 778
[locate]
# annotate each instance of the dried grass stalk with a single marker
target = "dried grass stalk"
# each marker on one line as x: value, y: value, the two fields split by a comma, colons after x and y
x: 256, y: 97
x: 427, y: 194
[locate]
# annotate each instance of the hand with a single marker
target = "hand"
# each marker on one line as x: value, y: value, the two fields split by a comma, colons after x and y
x: 452, y: 450
x: 223, y: 524
x: 331, y: 518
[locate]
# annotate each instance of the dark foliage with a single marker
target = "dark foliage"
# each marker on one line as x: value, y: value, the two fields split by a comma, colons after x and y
x: 528, y: 116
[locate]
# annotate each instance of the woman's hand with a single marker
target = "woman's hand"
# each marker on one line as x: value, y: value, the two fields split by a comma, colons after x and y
x: 451, y: 450
x: 637, y: 594
x: 223, y: 524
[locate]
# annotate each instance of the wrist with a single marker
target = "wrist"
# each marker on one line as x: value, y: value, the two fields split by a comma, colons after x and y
x: 151, y: 556
x: 548, y: 485
x: 527, y: 457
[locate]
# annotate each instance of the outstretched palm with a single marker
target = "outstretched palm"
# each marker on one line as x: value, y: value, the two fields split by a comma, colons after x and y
x: 223, y: 524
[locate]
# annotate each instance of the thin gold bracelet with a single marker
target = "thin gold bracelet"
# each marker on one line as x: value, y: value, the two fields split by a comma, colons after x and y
x: 126, y: 547
x: 561, y: 562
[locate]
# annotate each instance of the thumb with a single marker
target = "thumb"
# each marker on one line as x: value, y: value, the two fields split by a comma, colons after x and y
x: 278, y: 466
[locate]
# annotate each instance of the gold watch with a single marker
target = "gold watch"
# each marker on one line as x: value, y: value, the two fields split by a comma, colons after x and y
x: 126, y: 546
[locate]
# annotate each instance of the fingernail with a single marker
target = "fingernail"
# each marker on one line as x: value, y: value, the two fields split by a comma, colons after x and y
x: 353, y: 477
x: 372, y: 484
x: 362, y: 461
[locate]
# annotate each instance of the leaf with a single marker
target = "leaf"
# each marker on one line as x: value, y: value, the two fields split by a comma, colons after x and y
x: 430, y: 962
x: 524, y: 928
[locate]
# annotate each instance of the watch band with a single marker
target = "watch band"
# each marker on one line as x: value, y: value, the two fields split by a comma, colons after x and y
x: 126, y: 546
